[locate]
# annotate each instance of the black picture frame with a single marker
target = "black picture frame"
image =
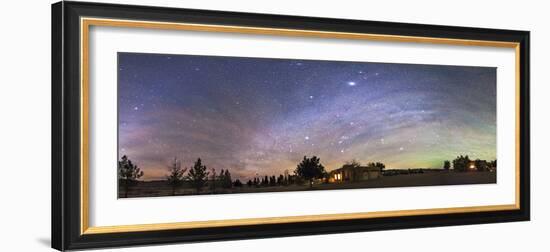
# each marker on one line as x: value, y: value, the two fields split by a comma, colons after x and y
x: 66, y: 125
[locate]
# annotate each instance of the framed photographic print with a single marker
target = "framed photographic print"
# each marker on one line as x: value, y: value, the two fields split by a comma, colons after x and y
x: 180, y: 125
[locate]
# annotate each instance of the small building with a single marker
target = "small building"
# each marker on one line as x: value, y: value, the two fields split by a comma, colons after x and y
x: 351, y: 173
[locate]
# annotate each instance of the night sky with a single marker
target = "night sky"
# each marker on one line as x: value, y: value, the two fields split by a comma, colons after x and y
x: 261, y: 116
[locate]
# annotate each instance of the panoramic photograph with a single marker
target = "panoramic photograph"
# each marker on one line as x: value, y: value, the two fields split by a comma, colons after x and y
x: 203, y: 125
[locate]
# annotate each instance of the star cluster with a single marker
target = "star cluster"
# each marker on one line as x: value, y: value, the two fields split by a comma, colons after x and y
x: 261, y: 116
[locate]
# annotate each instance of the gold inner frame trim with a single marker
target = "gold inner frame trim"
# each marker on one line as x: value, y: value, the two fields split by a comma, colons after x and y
x: 86, y: 23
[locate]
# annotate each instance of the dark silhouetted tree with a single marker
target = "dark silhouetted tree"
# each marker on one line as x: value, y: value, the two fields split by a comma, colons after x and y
x: 309, y: 169
x: 292, y: 179
x: 221, y: 179
x: 238, y: 183
x: 287, y: 176
x: 213, y: 180
x: 379, y: 165
x: 249, y: 183
x: 265, y: 181
x: 225, y: 178
x: 447, y: 165
x: 198, y: 175
x: 481, y: 165
x: 128, y: 173
x: 461, y: 163
x: 280, y: 179
x: 176, y: 176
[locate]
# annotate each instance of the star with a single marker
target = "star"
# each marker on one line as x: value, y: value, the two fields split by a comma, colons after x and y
x: 351, y: 83
x: 136, y: 108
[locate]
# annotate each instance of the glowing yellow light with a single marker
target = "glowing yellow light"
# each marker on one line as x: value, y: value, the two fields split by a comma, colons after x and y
x: 472, y: 166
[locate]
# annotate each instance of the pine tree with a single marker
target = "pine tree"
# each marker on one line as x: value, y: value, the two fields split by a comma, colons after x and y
x: 280, y: 179
x: 213, y: 180
x: 128, y: 173
x: 238, y: 183
x: 198, y: 175
x: 176, y: 176
x: 272, y: 181
x: 227, y: 181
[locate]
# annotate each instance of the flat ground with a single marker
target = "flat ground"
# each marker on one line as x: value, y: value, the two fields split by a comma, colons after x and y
x: 161, y: 188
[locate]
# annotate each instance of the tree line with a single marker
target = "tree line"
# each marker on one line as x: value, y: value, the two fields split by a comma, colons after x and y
x: 199, y: 177
x: 464, y: 163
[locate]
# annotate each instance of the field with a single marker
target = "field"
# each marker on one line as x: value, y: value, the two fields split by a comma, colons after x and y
x: 430, y: 178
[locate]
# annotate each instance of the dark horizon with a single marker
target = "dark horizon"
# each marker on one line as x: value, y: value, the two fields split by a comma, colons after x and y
x: 261, y: 116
